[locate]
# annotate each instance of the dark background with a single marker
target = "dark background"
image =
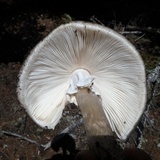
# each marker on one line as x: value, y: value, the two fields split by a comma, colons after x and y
x: 14, y: 45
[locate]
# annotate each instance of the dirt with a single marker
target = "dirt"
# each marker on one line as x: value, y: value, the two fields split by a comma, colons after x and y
x: 22, y: 34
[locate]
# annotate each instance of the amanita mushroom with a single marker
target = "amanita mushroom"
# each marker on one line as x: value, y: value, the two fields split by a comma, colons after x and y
x: 89, y: 65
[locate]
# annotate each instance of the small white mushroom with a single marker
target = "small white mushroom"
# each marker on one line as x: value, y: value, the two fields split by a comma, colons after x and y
x: 81, y: 58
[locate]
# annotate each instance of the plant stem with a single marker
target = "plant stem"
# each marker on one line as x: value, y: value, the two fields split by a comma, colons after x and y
x: 101, y: 141
x: 95, y: 120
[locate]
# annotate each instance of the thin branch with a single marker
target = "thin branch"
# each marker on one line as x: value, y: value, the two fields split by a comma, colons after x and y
x: 131, y: 32
x: 140, y: 138
x: 140, y: 37
x: 94, y: 19
x: 69, y: 129
x: 21, y: 137
x: 47, y: 145
x: 149, y: 121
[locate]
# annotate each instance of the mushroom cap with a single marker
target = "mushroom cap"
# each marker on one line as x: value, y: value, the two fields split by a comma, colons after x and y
x: 115, y: 72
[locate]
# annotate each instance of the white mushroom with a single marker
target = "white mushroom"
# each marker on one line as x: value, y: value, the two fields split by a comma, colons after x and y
x: 78, y: 57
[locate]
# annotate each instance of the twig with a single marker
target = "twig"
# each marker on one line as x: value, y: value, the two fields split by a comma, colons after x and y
x: 149, y: 121
x: 140, y: 138
x: 143, y: 29
x: 66, y: 130
x: 140, y: 37
x: 131, y: 32
x: 21, y: 137
x: 73, y: 126
x: 47, y: 145
x: 94, y: 19
x: 134, y: 141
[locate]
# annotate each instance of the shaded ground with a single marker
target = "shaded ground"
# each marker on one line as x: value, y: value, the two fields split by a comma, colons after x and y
x: 18, y: 35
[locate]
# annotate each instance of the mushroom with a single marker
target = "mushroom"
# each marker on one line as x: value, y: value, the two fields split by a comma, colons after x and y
x: 89, y: 65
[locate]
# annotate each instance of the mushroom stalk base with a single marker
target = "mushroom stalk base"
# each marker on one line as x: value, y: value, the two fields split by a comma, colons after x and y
x: 101, y: 141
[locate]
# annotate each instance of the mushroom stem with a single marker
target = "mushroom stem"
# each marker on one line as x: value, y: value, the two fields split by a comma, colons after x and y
x: 95, y: 121
x: 101, y: 141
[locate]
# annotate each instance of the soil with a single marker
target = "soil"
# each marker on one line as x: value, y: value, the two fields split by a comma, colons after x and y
x: 21, y: 29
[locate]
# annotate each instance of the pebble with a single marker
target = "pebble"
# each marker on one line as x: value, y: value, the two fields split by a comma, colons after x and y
x: 158, y: 145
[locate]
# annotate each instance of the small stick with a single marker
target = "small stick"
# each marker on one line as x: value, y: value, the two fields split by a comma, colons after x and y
x: 132, y: 32
x: 94, y: 19
x: 149, y: 121
x: 73, y: 126
x: 140, y: 37
x: 69, y: 129
x: 21, y: 137
x: 140, y: 138
x: 47, y: 145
